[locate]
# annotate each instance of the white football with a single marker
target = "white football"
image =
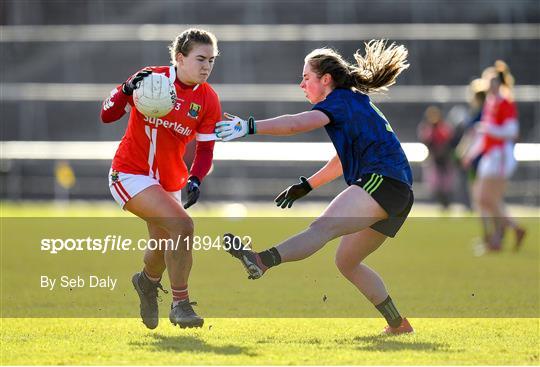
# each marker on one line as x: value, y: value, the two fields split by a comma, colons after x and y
x: 155, y: 96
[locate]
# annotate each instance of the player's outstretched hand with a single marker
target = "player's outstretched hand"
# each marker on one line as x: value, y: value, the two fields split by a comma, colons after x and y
x: 234, y: 127
x: 193, y: 191
x: 133, y: 83
x: 293, y: 193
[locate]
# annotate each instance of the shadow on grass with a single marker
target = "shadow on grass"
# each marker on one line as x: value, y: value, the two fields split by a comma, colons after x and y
x: 192, y: 344
x: 393, y: 343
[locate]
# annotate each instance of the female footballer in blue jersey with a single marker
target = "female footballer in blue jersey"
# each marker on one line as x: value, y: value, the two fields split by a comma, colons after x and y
x: 369, y: 156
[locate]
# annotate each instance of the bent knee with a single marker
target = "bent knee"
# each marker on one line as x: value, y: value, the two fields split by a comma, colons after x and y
x: 344, y: 264
x: 176, y: 226
x: 326, y: 227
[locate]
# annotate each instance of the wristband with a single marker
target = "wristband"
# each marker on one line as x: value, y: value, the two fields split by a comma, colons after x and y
x: 305, y: 184
x: 195, y: 179
x: 252, y: 127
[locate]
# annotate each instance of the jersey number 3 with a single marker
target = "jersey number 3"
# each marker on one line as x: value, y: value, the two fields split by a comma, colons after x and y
x: 387, y: 124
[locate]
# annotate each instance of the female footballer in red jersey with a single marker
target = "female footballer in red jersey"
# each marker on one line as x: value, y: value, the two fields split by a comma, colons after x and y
x: 369, y: 156
x: 148, y: 170
x: 497, y: 133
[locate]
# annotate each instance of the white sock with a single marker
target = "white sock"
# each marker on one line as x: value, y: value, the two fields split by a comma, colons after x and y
x: 153, y: 280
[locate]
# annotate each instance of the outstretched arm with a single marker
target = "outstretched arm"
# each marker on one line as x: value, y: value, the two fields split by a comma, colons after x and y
x: 235, y: 127
x: 292, y: 124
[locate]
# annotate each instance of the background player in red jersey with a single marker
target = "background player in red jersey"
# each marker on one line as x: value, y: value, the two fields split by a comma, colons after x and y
x: 438, y: 170
x: 148, y: 170
x: 497, y: 133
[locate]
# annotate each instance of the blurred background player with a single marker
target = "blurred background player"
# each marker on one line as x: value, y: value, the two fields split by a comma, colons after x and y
x: 438, y: 169
x: 497, y: 133
x: 148, y: 170
x: 464, y: 135
x: 369, y: 156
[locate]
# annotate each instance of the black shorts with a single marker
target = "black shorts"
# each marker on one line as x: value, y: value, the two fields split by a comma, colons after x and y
x: 394, y: 196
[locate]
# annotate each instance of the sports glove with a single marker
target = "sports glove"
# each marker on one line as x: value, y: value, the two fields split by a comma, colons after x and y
x: 133, y: 83
x: 293, y: 193
x: 193, y: 191
x: 234, y: 127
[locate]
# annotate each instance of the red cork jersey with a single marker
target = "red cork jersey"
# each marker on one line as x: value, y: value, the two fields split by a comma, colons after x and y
x: 155, y: 146
x: 497, y: 111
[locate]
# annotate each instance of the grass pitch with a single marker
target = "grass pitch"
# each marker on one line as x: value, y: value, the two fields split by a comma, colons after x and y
x: 498, y: 325
x: 269, y: 341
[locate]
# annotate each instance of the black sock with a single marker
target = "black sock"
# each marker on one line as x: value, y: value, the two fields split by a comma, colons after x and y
x: 390, y: 312
x: 270, y: 257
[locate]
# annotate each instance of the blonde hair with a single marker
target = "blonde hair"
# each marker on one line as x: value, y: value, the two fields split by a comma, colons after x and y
x: 477, y: 92
x: 506, y: 78
x: 501, y: 71
x: 374, y: 72
x: 185, y: 41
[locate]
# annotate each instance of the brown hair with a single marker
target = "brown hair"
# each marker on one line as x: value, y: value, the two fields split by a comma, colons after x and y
x: 374, y: 72
x: 184, y: 42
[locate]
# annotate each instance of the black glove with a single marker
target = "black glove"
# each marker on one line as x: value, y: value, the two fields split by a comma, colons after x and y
x: 193, y: 191
x: 133, y: 83
x: 294, y: 192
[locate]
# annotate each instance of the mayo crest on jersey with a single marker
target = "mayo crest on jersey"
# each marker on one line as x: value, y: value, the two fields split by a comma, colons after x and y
x: 363, y: 138
x: 155, y: 146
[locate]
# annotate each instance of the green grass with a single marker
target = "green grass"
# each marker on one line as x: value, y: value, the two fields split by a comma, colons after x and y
x: 466, y: 310
x: 270, y: 341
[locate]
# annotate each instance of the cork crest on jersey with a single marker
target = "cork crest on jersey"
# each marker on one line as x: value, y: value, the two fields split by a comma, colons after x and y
x: 194, y: 110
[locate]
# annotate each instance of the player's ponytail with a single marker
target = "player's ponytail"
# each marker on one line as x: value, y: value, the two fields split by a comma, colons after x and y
x: 505, y: 78
x: 374, y: 72
x: 379, y: 67
x: 501, y: 72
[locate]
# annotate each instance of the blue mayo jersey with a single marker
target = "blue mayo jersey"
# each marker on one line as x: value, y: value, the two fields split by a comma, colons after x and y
x: 363, y: 138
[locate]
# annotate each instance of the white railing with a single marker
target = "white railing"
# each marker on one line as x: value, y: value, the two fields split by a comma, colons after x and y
x: 240, y: 151
x: 271, y: 32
